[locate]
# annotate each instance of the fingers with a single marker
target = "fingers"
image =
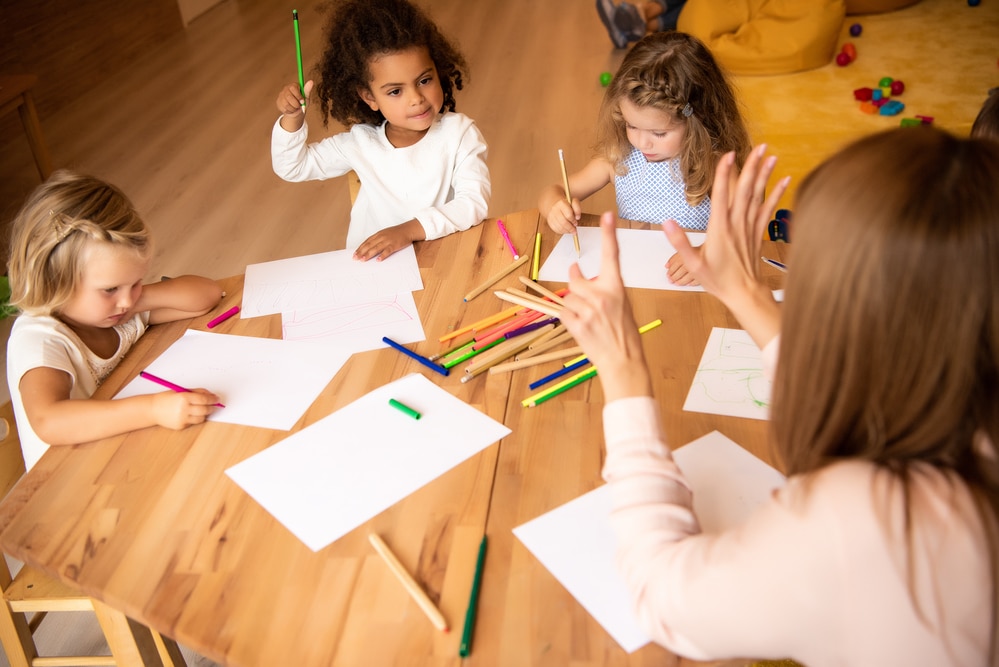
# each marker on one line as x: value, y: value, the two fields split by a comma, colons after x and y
x: 609, y: 251
x: 686, y: 255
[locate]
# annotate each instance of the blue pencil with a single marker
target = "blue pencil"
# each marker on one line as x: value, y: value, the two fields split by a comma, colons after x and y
x: 423, y: 360
x: 557, y: 374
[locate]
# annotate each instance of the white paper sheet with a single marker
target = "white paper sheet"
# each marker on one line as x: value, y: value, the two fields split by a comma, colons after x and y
x: 643, y: 257
x: 576, y: 543
x: 325, y: 279
x: 334, y: 475
x: 358, y: 326
x: 262, y: 382
x: 730, y: 379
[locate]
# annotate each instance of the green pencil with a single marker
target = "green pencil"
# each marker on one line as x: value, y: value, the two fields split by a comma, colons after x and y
x: 466, y: 636
x: 471, y: 353
x: 565, y: 385
x: 298, y: 55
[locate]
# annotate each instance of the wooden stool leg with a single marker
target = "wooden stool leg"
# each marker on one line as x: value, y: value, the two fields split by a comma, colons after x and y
x: 169, y: 652
x: 131, y: 642
x: 29, y: 119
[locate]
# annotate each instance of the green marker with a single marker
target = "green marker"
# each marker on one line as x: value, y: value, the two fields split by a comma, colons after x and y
x: 466, y: 636
x: 298, y: 54
x: 404, y: 408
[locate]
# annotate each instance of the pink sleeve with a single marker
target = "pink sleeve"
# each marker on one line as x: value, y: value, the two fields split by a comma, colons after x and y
x: 688, y: 586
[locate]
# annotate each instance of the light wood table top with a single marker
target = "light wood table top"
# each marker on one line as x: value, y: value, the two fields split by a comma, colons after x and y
x: 150, y: 523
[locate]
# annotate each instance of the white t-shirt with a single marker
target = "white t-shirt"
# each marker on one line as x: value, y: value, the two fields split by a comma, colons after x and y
x: 41, y: 341
x: 442, y: 180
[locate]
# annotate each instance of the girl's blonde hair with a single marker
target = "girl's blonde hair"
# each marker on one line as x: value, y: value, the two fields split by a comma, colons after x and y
x: 675, y: 73
x: 51, y: 231
x: 890, y: 342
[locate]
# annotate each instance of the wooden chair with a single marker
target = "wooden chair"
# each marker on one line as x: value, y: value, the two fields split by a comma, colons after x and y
x: 32, y: 591
x: 15, y: 93
x: 354, y: 185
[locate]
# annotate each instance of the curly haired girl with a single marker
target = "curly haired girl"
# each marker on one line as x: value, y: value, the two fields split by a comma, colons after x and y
x: 390, y: 76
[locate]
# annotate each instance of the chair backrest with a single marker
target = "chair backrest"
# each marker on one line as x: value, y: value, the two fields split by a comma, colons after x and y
x: 11, y: 458
x: 353, y: 185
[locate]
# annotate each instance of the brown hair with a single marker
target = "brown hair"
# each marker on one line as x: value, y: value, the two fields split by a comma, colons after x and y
x: 673, y: 71
x: 361, y: 30
x: 986, y: 124
x: 52, y: 230
x: 890, y: 339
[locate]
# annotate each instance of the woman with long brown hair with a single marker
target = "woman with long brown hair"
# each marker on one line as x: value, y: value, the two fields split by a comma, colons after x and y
x: 882, y: 548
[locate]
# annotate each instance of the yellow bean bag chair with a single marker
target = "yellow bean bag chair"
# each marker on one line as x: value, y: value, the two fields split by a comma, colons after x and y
x: 766, y: 36
x: 876, y: 6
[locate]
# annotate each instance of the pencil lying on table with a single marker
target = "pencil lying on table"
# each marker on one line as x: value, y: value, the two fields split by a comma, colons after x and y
x: 413, y: 588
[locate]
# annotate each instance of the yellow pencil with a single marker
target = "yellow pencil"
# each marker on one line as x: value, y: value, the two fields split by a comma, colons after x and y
x: 413, y: 588
x: 568, y: 197
x: 537, y: 256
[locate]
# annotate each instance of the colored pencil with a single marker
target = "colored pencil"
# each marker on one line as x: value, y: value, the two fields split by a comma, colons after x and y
x: 568, y: 197
x: 413, y: 588
x: 543, y: 291
x: 409, y: 353
x: 298, y: 56
x: 552, y: 310
x: 528, y: 362
x: 537, y: 256
x: 555, y: 390
x: 495, y: 278
x: 557, y: 374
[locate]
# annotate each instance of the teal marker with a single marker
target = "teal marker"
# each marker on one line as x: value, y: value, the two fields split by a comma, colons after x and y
x: 298, y: 55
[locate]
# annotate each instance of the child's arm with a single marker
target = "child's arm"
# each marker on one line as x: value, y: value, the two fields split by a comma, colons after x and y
x: 178, y: 298
x: 59, y: 420
x: 382, y: 244
x: 292, y: 106
x: 562, y: 217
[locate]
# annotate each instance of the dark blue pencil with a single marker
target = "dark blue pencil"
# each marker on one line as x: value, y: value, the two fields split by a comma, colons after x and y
x: 557, y: 374
x: 423, y: 360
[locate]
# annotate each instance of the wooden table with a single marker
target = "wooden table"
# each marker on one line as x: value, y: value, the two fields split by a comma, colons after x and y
x: 150, y: 523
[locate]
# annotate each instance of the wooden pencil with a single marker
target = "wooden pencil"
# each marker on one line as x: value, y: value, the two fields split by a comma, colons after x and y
x: 413, y: 588
x: 496, y: 277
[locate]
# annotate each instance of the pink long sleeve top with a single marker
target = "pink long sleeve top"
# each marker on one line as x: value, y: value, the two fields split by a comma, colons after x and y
x: 824, y: 573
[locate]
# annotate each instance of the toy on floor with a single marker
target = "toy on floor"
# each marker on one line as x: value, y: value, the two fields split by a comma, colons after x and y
x: 847, y: 54
x: 879, y: 100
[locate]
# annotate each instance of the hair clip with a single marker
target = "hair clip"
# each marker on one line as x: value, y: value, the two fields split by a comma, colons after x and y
x: 687, y: 110
x: 61, y: 230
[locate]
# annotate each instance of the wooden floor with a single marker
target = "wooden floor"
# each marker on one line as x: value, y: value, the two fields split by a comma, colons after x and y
x: 185, y: 130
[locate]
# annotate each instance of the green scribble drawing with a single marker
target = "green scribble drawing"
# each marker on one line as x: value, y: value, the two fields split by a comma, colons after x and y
x: 730, y: 378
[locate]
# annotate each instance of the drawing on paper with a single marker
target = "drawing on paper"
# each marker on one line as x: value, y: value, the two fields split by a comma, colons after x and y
x: 730, y: 378
x: 343, y: 320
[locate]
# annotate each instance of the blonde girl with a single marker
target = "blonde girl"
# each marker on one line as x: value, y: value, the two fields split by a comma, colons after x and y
x: 667, y: 117
x: 79, y: 252
x: 882, y: 549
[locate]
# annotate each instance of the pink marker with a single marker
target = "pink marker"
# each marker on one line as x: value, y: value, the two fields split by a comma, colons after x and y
x: 506, y: 237
x: 223, y: 317
x: 170, y: 385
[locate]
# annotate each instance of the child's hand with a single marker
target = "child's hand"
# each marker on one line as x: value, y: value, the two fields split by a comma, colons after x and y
x: 292, y: 106
x: 562, y: 218
x: 382, y: 244
x: 178, y: 410
x: 677, y: 273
